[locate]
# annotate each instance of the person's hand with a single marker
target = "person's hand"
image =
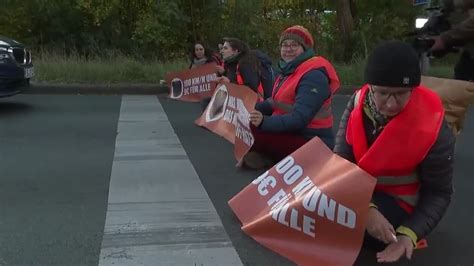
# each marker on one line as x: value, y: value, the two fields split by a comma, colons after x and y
x: 220, y: 69
x: 438, y: 44
x: 256, y: 118
x: 225, y: 79
x: 394, y: 251
x: 379, y: 227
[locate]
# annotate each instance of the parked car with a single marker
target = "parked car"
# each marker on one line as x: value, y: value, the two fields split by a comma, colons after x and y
x: 16, y: 68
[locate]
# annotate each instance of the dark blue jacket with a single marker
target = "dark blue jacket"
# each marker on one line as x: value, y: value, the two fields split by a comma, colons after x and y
x: 311, y: 92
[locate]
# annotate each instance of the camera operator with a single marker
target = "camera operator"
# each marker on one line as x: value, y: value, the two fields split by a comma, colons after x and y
x: 461, y: 17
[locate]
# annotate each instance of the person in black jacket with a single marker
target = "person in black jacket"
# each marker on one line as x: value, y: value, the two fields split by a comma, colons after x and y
x: 394, y: 128
x: 241, y: 65
x: 460, y: 14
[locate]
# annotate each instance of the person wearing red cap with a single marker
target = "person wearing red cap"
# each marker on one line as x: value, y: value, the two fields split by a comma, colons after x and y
x: 300, y: 106
x: 394, y: 129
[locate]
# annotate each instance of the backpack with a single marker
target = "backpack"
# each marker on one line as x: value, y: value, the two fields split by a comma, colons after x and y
x: 267, y: 73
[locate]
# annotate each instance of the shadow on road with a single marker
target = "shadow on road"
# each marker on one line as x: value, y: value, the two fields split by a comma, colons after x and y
x: 11, y: 107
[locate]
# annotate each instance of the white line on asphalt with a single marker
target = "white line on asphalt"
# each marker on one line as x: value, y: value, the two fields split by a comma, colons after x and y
x: 158, y: 211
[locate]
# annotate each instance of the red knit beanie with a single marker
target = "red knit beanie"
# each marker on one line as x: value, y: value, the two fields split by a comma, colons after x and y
x: 299, y: 34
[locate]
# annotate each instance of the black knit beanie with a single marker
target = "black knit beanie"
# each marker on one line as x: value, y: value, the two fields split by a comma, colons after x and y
x: 393, y: 64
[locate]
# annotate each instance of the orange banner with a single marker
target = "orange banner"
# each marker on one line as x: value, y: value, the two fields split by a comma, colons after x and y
x: 227, y: 115
x: 311, y: 207
x: 192, y: 85
x: 243, y: 138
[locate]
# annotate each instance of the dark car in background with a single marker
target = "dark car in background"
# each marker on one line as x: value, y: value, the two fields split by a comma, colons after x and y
x: 16, y: 68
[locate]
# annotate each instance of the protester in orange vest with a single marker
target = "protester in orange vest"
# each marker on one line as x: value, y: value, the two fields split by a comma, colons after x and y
x: 243, y: 66
x: 394, y: 129
x: 300, y: 106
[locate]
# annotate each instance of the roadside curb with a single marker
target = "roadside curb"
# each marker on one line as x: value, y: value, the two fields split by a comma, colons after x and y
x: 116, y: 89
x: 105, y: 89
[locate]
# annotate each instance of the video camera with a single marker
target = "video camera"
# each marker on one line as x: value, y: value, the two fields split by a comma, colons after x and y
x: 426, y: 28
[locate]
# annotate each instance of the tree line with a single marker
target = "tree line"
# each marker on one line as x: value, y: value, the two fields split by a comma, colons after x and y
x: 344, y: 30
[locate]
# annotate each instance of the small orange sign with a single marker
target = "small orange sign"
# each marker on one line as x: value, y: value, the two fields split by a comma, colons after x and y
x: 192, y: 85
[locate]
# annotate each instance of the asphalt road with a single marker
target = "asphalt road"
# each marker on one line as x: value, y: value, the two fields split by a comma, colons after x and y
x: 56, y: 156
x: 55, y: 160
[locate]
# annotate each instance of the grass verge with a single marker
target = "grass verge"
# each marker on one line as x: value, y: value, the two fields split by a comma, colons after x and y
x: 54, y: 68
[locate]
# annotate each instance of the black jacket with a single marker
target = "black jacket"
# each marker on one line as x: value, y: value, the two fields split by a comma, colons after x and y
x: 435, y: 173
x: 462, y: 31
x: 248, y: 72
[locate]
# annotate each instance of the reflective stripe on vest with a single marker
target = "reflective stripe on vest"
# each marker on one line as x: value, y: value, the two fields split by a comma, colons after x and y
x: 393, y: 182
x: 410, y: 199
x: 324, y: 112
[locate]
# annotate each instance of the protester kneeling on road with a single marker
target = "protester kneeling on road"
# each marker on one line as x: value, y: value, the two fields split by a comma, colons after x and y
x: 244, y: 66
x: 394, y: 129
x: 300, y: 106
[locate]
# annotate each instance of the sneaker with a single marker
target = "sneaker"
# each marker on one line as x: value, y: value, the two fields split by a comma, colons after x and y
x: 255, y: 160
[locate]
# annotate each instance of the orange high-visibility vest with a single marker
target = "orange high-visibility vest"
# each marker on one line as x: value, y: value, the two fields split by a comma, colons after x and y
x: 284, y: 95
x: 401, y: 146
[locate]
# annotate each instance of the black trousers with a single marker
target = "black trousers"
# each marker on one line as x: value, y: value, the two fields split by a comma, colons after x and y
x: 464, y: 69
x: 388, y: 206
